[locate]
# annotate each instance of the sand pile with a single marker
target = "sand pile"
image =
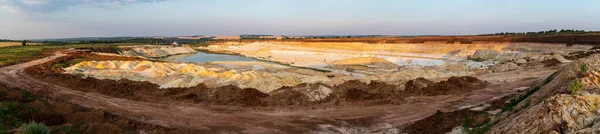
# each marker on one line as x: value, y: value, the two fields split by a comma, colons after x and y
x: 155, y: 51
x: 371, y: 62
x: 321, y: 54
x: 169, y: 75
x: 485, y: 55
x: 450, y: 86
x: 508, y: 66
x: 405, y: 74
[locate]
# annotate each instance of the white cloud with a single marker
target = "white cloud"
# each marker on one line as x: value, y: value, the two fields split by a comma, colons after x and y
x: 32, y: 7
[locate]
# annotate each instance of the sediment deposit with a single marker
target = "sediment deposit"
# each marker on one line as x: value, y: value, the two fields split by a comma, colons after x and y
x: 390, y: 63
x: 319, y: 55
x: 149, y: 51
x: 262, y: 76
x: 323, y: 54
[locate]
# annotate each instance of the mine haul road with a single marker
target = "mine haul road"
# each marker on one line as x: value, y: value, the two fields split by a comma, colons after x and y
x: 252, y: 120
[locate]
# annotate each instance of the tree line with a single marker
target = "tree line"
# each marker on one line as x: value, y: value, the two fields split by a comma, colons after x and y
x: 7, y: 40
x: 554, y: 31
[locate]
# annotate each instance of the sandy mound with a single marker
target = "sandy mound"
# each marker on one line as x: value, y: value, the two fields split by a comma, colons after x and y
x: 169, y: 75
x: 155, y: 51
x: 484, y: 55
x: 452, y: 85
x: 508, y: 66
x: 371, y: 62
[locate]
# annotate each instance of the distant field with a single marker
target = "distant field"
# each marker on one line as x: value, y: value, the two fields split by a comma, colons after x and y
x: 5, y: 44
x: 590, y: 38
x: 583, y: 38
x: 14, y: 54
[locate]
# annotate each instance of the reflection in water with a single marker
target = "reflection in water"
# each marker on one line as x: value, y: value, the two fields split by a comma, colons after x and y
x: 210, y: 57
x: 206, y: 57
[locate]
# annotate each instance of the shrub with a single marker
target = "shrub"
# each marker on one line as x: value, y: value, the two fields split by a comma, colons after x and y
x: 584, y: 67
x: 27, y: 96
x: 12, y: 112
x: 34, y: 128
x: 576, y: 86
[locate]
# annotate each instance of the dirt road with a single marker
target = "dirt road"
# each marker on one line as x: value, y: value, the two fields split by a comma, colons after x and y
x: 212, y: 118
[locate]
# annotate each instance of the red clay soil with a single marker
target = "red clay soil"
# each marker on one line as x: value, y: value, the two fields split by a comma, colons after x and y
x: 453, y: 85
x: 63, y: 117
x: 443, y: 122
x: 350, y: 91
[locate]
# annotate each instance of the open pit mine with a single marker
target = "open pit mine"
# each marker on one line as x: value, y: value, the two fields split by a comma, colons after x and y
x: 274, y: 86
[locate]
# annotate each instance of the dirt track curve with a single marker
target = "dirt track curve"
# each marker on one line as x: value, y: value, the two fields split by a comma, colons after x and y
x: 249, y: 120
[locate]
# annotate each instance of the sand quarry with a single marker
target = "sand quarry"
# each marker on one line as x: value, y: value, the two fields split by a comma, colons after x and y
x: 327, y: 63
x: 303, y: 78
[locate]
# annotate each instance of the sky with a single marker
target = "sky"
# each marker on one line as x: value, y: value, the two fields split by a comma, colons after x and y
x: 40, y: 19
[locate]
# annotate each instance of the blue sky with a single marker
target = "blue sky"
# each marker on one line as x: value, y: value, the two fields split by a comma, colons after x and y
x: 32, y: 19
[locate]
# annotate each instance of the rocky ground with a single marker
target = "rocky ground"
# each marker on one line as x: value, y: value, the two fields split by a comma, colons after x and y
x: 566, y: 104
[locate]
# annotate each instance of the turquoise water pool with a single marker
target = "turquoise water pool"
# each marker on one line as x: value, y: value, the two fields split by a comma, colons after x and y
x: 207, y: 57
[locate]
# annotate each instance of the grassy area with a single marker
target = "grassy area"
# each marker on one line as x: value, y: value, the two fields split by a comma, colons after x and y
x: 16, y: 54
x: 6, y: 44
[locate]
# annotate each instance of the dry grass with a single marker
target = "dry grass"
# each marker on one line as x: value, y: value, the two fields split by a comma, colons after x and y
x: 6, y: 44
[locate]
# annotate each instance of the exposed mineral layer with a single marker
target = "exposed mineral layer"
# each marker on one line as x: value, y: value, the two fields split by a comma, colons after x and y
x: 323, y: 54
x: 169, y: 75
x: 154, y: 51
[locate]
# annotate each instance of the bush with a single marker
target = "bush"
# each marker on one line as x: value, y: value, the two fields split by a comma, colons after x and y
x: 34, y: 128
x: 27, y: 96
x: 584, y: 67
x: 576, y: 86
x: 11, y: 113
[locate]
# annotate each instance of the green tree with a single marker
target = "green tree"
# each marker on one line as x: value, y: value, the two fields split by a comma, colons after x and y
x: 24, y: 43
